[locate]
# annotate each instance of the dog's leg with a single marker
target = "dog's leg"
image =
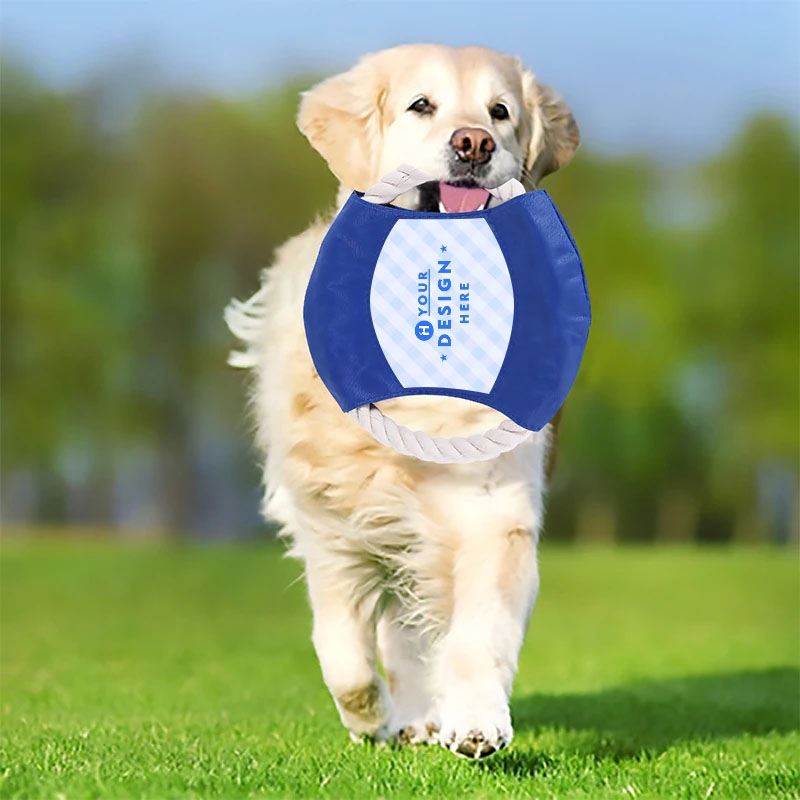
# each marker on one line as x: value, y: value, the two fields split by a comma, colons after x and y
x: 495, y: 585
x: 403, y: 650
x: 344, y: 638
x: 495, y: 580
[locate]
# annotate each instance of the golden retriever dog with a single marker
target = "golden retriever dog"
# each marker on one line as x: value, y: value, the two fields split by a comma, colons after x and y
x: 426, y: 569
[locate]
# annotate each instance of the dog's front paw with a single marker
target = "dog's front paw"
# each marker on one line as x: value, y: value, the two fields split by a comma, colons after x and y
x: 475, y: 729
x: 364, y: 711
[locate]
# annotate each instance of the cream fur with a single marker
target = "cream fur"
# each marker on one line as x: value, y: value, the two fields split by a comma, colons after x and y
x: 433, y: 567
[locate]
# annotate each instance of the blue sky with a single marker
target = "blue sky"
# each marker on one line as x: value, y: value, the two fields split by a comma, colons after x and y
x: 670, y: 79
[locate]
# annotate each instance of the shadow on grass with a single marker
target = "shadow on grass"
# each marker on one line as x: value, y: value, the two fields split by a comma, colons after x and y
x: 648, y: 716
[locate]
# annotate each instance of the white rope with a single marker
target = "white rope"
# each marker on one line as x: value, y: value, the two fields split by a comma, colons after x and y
x: 391, y: 186
x: 457, y: 449
x: 406, y: 177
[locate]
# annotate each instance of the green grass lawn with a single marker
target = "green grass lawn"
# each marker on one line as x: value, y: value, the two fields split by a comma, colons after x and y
x: 186, y: 672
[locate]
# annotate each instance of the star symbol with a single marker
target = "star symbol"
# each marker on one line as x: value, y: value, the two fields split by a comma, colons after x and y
x: 444, y: 358
x: 443, y: 248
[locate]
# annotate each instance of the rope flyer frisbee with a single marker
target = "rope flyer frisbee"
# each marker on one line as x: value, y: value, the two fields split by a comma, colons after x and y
x: 488, y: 305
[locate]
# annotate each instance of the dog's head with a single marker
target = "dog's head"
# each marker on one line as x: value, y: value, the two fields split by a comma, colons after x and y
x: 470, y: 117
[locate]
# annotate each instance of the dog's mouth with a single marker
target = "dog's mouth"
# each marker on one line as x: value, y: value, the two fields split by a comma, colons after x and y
x: 455, y: 199
x: 452, y: 198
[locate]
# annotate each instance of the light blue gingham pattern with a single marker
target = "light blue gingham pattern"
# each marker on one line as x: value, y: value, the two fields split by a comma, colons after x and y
x: 479, y: 346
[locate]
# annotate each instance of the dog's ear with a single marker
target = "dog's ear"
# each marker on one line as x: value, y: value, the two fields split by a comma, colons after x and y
x: 341, y: 117
x: 554, y: 133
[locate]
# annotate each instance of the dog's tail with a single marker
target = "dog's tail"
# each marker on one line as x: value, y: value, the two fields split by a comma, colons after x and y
x: 245, y: 320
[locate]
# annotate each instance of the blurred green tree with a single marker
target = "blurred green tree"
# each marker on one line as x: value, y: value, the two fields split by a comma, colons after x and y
x: 65, y: 269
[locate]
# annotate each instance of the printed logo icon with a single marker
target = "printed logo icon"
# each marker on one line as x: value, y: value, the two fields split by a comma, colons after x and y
x: 424, y: 330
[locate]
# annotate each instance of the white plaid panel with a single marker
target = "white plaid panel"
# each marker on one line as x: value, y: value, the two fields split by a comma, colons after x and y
x: 478, y: 347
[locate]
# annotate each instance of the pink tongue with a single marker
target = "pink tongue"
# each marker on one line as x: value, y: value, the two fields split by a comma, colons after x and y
x: 458, y: 198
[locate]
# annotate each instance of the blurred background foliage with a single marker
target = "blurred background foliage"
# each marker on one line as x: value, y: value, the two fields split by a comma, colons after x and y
x: 129, y: 221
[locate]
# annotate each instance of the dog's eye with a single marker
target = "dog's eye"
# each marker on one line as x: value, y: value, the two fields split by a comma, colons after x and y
x: 498, y: 111
x: 421, y: 106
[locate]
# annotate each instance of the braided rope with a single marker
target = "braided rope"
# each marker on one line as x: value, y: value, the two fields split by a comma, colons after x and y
x: 406, y: 177
x: 457, y: 449
x: 391, y: 186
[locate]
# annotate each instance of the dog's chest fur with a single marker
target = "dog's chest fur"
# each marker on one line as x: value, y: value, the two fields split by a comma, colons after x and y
x: 393, y: 520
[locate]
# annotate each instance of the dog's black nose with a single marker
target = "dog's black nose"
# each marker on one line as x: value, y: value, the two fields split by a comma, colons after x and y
x: 472, y: 144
